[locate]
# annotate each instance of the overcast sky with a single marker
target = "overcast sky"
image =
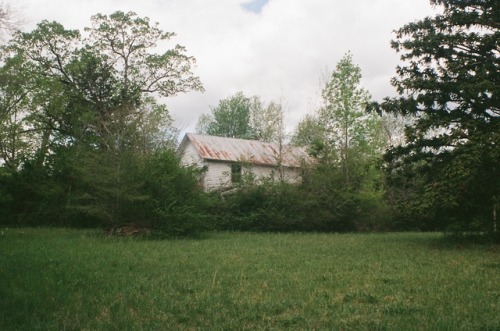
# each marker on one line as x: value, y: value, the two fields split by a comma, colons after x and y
x: 276, y: 49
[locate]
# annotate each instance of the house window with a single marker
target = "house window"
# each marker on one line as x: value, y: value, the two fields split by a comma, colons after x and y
x: 203, y: 174
x: 235, y: 173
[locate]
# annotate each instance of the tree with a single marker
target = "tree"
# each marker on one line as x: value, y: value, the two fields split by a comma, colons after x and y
x: 242, y: 117
x: 348, y: 144
x: 267, y: 121
x: 91, y: 103
x: 103, y: 80
x: 231, y: 118
x: 450, y: 82
x: 16, y: 141
x: 10, y: 97
x: 308, y: 131
x: 341, y: 128
x: 349, y: 129
x: 127, y: 40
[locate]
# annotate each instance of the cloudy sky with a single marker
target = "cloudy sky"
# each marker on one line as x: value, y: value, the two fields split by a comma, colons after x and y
x: 276, y: 49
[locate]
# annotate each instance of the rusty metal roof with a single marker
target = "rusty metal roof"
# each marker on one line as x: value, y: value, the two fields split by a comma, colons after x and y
x: 241, y: 150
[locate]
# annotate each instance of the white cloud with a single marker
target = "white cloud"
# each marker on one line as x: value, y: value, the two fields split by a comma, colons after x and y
x: 279, y: 52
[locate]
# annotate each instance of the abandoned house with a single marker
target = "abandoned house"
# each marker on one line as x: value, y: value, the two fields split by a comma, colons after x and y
x: 226, y: 160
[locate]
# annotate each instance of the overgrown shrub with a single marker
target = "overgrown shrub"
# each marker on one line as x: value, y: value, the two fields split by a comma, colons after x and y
x: 155, y: 192
x: 176, y: 204
x: 321, y: 202
x: 266, y: 207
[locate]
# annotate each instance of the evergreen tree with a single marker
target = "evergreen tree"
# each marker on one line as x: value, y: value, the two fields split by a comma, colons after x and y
x: 450, y: 82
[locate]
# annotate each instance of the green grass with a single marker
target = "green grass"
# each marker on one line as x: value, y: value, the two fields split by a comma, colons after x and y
x: 59, y: 279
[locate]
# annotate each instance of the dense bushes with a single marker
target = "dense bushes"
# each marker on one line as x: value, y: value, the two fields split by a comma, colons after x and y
x: 158, y: 193
x: 176, y: 204
x: 154, y: 192
x: 322, y: 202
x: 267, y: 207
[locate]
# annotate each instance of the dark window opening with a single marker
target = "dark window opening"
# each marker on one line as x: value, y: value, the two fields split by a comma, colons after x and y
x: 235, y: 173
x: 202, y: 175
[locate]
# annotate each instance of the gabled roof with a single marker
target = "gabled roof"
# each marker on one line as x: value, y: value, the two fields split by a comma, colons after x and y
x: 242, y: 150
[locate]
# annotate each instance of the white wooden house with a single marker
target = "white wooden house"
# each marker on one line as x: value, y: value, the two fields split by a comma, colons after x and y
x: 226, y: 160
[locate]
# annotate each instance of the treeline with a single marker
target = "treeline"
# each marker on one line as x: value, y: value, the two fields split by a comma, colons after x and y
x: 85, y: 143
x: 83, y: 140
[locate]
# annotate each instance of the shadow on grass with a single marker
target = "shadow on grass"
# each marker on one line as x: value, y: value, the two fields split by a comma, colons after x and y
x: 465, y: 240
x: 448, y: 240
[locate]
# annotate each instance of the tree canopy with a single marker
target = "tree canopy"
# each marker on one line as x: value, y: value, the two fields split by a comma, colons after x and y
x: 230, y: 118
x: 347, y: 143
x: 85, y: 138
x: 341, y: 128
x: 450, y: 81
x: 80, y: 117
x: 239, y: 116
x: 71, y: 88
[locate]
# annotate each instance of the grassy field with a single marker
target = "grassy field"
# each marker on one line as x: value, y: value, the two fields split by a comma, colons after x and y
x: 59, y: 279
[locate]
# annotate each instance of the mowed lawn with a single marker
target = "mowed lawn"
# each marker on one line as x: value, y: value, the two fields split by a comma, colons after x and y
x: 60, y: 279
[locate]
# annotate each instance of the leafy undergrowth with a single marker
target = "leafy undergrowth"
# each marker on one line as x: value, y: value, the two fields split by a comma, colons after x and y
x: 80, y: 279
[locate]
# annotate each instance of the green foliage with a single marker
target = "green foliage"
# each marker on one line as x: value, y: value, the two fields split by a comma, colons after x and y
x: 110, y: 195
x: 80, y: 124
x: 177, y: 204
x: 309, y: 133
x: 358, y: 205
x: 231, y: 118
x: 344, y: 189
x: 449, y: 81
x: 347, y: 127
x: 242, y: 117
x: 94, y: 91
x: 32, y: 197
x: 155, y: 192
x: 6, y: 199
x: 341, y: 130
x: 126, y: 40
x: 273, y: 206
x: 321, y: 202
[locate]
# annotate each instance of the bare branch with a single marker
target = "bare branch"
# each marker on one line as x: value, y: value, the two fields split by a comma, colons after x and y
x: 10, y: 19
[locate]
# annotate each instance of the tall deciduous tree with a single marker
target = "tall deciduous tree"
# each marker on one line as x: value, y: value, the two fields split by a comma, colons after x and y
x: 268, y: 121
x: 342, y: 130
x: 347, y: 125
x: 91, y: 104
x: 244, y: 117
x: 99, y: 85
x: 450, y: 82
x: 128, y: 43
x: 230, y: 118
x: 16, y: 140
x: 347, y: 142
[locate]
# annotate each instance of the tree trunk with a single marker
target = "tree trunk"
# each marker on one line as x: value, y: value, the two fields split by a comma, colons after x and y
x: 44, y: 148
